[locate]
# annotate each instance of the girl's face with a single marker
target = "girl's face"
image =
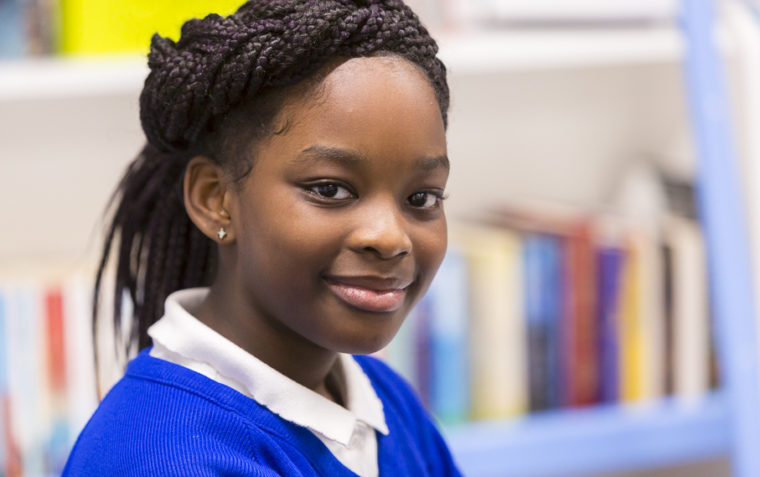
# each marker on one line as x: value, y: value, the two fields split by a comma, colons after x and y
x: 339, y: 228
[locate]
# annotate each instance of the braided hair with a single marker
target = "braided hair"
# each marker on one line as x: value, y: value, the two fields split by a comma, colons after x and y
x: 215, y: 92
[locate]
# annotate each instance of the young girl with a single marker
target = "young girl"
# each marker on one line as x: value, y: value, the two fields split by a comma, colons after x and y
x: 287, y: 209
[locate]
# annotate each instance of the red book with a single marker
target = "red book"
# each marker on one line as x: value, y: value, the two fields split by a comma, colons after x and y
x: 579, y: 323
x: 55, y: 341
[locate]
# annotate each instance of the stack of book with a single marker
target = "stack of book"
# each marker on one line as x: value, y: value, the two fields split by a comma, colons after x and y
x: 534, y: 311
x: 47, y: 373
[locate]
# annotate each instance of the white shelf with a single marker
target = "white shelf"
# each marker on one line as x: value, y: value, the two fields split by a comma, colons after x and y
x: 602, y: 439
x: 39, y: 79
x: 464, y: 52
x: 485, y: 52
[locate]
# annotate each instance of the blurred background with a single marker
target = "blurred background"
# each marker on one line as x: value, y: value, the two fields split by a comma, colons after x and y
x: 572, y: 329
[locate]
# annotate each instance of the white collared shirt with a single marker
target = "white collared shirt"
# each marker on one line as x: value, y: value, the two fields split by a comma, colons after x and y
x: 349, y: 433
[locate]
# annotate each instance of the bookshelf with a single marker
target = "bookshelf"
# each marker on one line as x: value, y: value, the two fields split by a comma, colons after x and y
x: 44, y: 95
x: 595, y: 440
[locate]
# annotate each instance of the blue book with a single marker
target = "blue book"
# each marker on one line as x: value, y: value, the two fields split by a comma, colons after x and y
x: 553, y: 289
x: 609, y: 270
x: 12, y: 38
x: 542, y: 293
x: 449, y: 339
x: 536, y: 321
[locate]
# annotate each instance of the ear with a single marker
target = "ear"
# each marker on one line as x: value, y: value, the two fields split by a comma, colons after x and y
x: 207, y: 199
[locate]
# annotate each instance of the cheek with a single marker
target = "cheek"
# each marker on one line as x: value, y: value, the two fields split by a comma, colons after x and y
x: 431, y: 243
x: 290, y: 243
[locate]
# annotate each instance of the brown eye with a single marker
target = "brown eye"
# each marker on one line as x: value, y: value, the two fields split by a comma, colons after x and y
x: 424, y: 200
x: 327, y: 190
x: 330, y: 190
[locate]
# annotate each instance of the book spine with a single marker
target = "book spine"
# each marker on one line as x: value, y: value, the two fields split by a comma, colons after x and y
x: 448, y: 339
x: 497, y: 337
x: 669, y: 337
x: 552, y: 290
x: 609, y: 264
x: 690, y: 309
x: 537, y: 322
x: 12, y: 37
x: 58, y: 435
x: 582, y: 375
x: 82, y: 397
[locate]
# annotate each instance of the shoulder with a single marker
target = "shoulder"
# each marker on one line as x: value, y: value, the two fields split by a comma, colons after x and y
x: 162, y: 419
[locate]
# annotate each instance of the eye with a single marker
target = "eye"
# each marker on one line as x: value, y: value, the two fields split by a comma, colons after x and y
x: 425, y: 200
x: 330, y: 190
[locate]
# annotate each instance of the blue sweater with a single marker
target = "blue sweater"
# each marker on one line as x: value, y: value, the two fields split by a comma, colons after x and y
x: 162, y: 419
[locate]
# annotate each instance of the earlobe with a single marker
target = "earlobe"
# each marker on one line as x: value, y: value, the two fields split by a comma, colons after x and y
x: 207, y: 199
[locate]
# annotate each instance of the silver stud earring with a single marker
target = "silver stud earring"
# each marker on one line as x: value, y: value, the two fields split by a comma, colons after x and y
x: 222, y: 233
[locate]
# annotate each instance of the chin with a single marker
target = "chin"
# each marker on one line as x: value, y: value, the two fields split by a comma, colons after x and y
x: 365, y: 343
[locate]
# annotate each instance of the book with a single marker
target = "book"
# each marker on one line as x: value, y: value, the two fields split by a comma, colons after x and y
x: 58, y: 438
x: 642, y: 330
x: 651, y: 313
x: 41, y: 26
x: 542, y: 292
x: 10, y: 454
x: 12, y: 36
x: 498, y: 378
x: 690, y: 309
x: 579, y: 320
x: 448, y: 329
x: 25, y: 373
x: 81, y: 380
x: 609, y: 262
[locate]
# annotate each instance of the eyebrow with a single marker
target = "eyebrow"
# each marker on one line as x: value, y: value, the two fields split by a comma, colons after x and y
x: 341, y: 156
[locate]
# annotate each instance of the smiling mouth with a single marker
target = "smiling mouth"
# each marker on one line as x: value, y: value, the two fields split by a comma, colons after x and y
x: 364, y: 298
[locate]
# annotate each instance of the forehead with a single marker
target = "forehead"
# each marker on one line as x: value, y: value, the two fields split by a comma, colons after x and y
x: 367, y: 103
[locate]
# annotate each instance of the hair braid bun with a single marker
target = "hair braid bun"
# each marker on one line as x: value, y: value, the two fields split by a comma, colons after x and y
x: 220, y: 62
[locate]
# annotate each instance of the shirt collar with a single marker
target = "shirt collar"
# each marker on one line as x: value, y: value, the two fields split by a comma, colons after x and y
x: 183, y: 334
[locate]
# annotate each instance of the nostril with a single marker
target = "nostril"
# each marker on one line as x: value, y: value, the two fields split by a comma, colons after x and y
x: 386, y: 253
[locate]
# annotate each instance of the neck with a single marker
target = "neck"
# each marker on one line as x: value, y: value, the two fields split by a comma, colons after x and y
x: 271, y: 342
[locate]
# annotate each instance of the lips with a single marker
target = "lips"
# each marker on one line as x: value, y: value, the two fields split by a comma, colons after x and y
x: 374, y: 294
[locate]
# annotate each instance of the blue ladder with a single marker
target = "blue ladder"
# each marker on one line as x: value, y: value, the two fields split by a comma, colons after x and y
x: 724, y: 218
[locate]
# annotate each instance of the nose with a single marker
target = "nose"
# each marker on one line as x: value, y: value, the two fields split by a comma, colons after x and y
x: 381, y: 230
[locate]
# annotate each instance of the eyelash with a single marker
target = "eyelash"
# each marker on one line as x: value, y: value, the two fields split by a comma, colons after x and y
x: 439, y: 197
x: 313, y: 190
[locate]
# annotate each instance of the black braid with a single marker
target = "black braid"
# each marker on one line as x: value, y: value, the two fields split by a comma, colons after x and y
x: 193, y: 102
